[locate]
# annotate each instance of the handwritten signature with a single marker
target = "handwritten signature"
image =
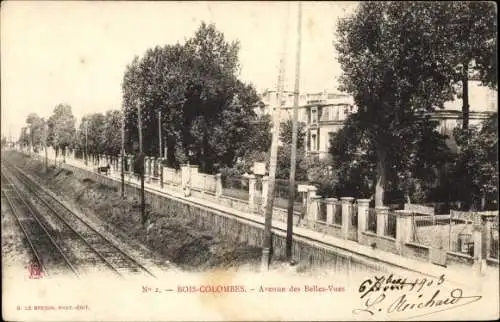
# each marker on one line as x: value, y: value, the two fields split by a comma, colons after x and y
x: 417, y: 295
x: 415, y: 302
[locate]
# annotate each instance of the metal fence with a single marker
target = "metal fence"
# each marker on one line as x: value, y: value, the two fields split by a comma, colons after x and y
x: 372, y: 220
x: 354, y: 215
x: 353, y: 227
x: 465, y: 244
x: 390, y: 225
x: 281, y: 193
x: 337, y: 213
x: 235, y: 187
x: 322, y: 210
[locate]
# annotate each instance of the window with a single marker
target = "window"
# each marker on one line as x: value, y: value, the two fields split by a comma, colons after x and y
x: 313, y: 142
x: 314, y: 115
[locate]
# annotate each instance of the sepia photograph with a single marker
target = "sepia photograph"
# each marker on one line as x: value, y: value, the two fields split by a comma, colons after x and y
x: 249, y: 161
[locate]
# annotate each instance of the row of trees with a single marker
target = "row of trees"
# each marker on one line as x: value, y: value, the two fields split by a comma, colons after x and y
x: 207, y: 115
x: 57, y: 131
x: 207, y: 112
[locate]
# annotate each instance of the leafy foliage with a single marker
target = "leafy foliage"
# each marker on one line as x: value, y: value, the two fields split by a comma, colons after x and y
x: 391, y: 66
x: 61, y: 127
x: 469, y: 45
x: 103, y: 133
x: 206, y: 110
x: 476, y: 167
x: 286, y: 133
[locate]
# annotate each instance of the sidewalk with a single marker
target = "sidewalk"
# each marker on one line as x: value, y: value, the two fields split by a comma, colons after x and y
x: 396, y: 263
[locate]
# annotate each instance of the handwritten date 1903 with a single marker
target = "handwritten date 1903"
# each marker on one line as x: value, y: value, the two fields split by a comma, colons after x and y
x: 391, y: 283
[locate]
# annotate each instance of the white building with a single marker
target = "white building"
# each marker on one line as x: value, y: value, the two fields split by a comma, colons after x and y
x: 324, y: 113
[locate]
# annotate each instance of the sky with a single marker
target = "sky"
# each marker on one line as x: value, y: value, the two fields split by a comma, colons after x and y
x: 77, y: 52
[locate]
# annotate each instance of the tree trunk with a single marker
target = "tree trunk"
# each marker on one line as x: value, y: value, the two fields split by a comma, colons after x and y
x: 380, y: 186
x: 465, y: 97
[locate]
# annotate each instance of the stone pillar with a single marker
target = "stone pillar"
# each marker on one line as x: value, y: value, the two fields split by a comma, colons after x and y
x: 487, y: 231
x: 252, y: 181
x: 304, y: 201
x: 193, y: 172
x: 185, y: 176
x: 477, y: 237
x: 218, y: 185
x: 313, y: 213
x: 330, y: 210
x: 194, y: 169
x: 311, y: 193
x: 265, y: 187
x: 363, y: 206
x: 382, y: 217
x: 346, y: 203
x: 404, y: 228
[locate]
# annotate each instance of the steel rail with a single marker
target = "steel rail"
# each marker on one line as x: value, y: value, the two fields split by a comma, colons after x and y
x: 29, y: 181
x: 23, y: 228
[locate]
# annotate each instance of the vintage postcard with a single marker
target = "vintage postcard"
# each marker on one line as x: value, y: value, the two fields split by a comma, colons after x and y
x: 249, y: 161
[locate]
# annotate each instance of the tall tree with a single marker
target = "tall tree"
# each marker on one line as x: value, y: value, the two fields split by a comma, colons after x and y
x: 112, y: 132
x: 206, y: 110
x: 286, y: 133
x: 35, y: 124
x: 476, y: 165
x: 471, y: 44
x: 62, y: 127
x: 390, y: 69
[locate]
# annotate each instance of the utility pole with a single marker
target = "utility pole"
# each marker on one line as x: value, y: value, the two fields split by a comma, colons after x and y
x: 160, y: 166
x: 268, y: 216
x: 86, y: 138
x: 46, y: 133
x: 122, y: 157
x: 293, y: 157
x: 141, y: 162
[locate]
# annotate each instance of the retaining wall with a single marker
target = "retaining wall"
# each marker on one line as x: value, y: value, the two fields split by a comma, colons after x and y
x: 239, y: 229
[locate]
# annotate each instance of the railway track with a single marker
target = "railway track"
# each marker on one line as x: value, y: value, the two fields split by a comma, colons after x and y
x: 47, y: 254
x: 92, y: 252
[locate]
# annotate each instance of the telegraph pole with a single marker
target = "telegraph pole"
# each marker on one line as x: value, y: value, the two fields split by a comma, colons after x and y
x: 122, y: 157
x: 86, y: 138
x: 268, y: 216
x: 141, y: 162
x: 293, y: 157
x: 46, y: 131
x: 160, y: 166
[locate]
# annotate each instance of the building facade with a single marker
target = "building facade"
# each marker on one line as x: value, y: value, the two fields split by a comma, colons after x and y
x: 324, y: 113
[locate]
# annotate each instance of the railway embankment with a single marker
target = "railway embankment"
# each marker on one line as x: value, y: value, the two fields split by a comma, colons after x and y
x: 170, y: 236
